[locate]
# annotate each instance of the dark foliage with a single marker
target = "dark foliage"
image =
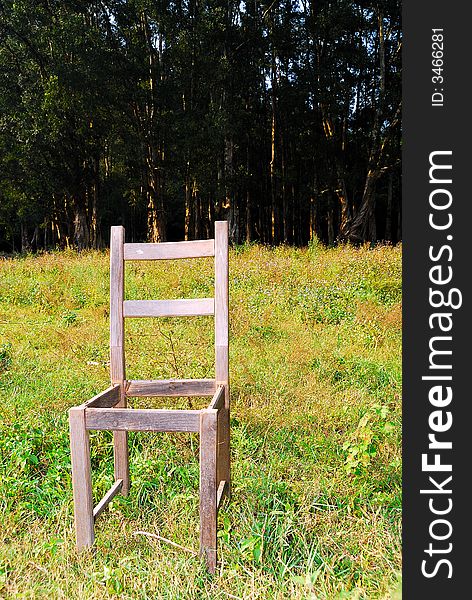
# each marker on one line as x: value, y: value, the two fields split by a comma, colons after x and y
x: 283, y: 117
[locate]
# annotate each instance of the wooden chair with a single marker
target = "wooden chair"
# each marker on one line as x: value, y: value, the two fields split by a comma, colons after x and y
x: 108, y: 410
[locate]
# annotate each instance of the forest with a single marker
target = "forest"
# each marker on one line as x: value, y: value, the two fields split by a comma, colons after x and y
x: 282, y: 116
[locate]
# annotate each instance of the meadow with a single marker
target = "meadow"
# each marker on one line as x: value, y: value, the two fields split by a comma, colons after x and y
x: 315, y: 368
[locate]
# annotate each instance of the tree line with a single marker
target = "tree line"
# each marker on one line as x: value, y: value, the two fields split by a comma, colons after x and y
x: 281, y: 116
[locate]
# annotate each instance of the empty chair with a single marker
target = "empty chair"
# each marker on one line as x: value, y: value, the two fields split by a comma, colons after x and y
x: 108, y: 410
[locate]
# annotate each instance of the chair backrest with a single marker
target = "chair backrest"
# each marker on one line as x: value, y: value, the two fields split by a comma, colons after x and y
x: 217, y: 306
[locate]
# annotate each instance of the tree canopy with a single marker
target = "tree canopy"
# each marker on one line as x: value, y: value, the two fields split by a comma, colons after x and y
x: 281, y: 116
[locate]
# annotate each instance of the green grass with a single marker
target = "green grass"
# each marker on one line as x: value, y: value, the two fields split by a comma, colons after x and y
x: 316, y: 425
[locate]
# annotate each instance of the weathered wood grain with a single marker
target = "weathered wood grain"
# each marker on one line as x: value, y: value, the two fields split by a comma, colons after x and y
x: 117, y: 355
x: 107, y: 498
x: 184, y: 307
x: 106, y: 399
x: 221, y: 301
x: 220, y: 493
x: 221, y: 349
x: 81, y: 479
x: 218, y: 400
x: 117, y: 367
x: 208, y: 491
x: 170, y: 387
x: 169, y: 250
x: 128, y: 419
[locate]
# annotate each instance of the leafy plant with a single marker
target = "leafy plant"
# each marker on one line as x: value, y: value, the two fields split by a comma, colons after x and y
x: 362, y: 444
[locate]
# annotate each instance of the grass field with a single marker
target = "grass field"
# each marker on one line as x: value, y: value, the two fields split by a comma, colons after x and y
x: 315, y: 370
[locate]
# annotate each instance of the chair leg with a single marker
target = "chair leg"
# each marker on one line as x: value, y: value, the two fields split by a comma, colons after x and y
x: 224, y: 463
x: 121, y: 454
x: 121, y: 459
x: 208, y: 487
x: 81, y: 480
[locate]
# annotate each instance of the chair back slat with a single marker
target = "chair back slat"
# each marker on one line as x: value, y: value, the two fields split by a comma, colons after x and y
x: 192, y: 307
x: 170, y: 250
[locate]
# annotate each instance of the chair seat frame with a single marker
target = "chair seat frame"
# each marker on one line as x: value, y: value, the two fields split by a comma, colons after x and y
x: 108, y: 410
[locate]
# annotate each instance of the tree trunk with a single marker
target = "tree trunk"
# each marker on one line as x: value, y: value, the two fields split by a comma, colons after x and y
x: 25, y: 242
x: 273, y: 183
x: 35, y: 238
x: 285, y: 214
x: 94, y: 224
x: 331, y: 236
x: 81, y: 229
x: 345, y: 217
x: 155, y: 217
x: 399, y: 222
x: 361, y: 228
x: 155, y: 203
x: 388, y: 218
x: 198, y: 212
x: 229, y: 205
x: 249, y: 212
x: 189, y: 216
